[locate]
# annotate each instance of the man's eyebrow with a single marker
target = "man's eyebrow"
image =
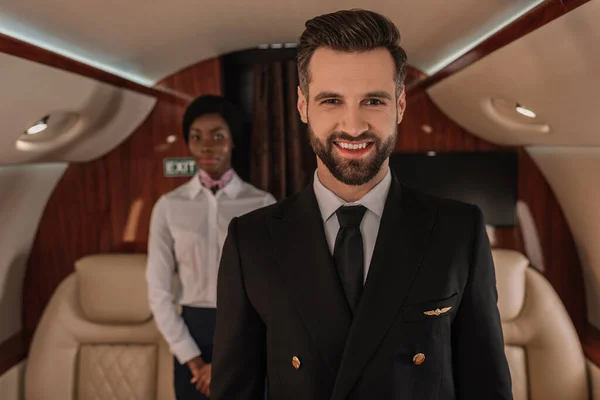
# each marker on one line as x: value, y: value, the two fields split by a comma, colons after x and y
x: 380, y: 94
x: 327, y: 95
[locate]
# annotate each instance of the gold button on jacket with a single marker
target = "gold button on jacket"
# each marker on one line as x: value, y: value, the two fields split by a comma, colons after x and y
x: 419, y: 358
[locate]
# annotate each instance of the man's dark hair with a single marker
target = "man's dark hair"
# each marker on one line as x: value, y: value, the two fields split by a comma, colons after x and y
x: 212, y: 104
x: 350, y: 31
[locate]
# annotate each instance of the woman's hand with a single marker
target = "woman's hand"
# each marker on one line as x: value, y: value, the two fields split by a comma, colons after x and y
x: 201, y: 372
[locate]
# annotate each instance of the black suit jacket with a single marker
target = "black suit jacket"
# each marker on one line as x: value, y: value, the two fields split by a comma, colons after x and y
x: 279, y: 296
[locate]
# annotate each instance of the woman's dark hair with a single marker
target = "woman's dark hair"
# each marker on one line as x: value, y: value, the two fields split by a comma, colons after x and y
x: 212, y: 104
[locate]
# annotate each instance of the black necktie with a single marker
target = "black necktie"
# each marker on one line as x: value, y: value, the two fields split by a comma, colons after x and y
x: 348, y: 252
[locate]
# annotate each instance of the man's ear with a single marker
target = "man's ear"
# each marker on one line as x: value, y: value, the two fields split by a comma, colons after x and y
x: 302, y: 106
x: 401, y: 105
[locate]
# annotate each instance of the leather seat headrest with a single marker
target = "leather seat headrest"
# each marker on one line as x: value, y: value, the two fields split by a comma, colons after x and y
x: 112, y: 288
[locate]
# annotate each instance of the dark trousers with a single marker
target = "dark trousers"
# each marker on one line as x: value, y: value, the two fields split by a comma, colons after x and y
x: 201, y: 324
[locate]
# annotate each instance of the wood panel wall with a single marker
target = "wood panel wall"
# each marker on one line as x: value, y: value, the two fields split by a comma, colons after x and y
x: 445, y: 136
x: 104, y: 205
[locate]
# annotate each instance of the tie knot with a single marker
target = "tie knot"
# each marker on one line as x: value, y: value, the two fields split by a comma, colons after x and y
x: 350, y: 216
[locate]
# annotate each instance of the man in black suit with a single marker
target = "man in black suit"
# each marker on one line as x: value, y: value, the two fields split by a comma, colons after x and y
x: 358, y: 287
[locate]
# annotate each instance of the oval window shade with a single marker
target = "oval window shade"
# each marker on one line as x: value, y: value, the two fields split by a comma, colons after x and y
x: 504, y: 113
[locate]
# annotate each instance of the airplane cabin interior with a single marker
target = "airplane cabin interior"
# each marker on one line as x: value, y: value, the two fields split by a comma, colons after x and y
x: 502, y: 112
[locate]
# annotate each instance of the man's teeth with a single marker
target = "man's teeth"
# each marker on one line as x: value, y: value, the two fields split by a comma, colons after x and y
x: 352, y: 146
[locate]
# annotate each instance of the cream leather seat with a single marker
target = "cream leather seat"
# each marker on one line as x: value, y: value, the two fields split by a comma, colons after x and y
x: 545, y: 356
x: 97, y: 340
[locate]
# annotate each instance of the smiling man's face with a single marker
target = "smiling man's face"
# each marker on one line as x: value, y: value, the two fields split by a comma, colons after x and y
x: 352, y: 112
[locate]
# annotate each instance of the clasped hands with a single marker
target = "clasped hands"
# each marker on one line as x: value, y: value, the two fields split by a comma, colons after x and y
x: 201, y: 372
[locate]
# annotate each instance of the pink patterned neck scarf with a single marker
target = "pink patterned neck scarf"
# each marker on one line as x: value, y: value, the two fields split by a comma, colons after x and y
x: 215, y: 184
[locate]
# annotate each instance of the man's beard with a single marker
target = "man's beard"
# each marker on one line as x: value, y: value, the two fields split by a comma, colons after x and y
x: 352, y: 172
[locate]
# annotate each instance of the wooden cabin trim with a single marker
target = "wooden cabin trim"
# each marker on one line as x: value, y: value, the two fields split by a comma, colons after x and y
x: 537, y: 17
x: 12, y: 351
x: 590, y: 340
x: 570, y: 5
x: 27, y: 51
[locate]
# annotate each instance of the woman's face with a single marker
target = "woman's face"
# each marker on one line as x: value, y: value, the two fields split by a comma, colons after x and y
x: 210, y: 143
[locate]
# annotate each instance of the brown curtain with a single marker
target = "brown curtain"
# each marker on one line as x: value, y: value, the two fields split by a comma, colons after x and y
x: 281, y: 161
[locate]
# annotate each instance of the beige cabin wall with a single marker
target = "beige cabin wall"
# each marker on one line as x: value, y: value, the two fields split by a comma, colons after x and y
x: 25, y: 190
x: 572, y: 172
x: 11, y: 383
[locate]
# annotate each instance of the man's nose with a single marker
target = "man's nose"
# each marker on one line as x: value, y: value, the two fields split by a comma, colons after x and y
x: 353, y: 123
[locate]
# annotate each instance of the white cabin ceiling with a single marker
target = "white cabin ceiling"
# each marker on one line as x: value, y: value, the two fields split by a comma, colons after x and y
x: 145, y: 41
x: 554, y: 71
x: 98, y: 117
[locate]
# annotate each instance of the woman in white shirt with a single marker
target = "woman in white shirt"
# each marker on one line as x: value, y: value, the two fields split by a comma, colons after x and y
x: 187, y: 231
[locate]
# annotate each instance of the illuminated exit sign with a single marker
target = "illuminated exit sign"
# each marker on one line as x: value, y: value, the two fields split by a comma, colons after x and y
x: 185, y: 166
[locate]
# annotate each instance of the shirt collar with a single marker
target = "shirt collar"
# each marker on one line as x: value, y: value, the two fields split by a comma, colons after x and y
x: 232, y: 189
x: 374, y: 200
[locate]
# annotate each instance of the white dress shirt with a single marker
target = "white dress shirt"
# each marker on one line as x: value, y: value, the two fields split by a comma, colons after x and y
x: 187, y: 232
x: 374, y: 202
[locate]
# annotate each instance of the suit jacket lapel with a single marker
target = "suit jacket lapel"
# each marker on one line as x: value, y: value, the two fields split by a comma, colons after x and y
x: 401, y: 242
x: 309, y: 272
